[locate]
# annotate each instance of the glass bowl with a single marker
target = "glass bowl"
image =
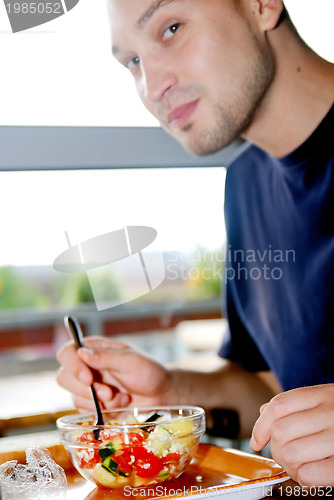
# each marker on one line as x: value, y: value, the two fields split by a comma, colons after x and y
x: 135, y: 447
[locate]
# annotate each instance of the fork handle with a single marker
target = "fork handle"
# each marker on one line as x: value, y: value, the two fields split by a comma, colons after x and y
x: 74, y: 329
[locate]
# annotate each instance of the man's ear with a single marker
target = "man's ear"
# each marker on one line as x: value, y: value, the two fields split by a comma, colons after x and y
x: 269, y: 13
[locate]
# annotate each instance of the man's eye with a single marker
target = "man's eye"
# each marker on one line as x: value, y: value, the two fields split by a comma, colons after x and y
x: 132, y: 63
x: 171, y: 30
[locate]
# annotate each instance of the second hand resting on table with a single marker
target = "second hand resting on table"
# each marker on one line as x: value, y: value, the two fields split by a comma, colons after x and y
x: 299, y: 424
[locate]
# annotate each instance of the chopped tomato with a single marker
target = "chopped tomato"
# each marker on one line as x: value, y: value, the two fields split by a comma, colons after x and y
x: 107, y: 435
x: 136, y: 438
x: 87, y: 437
x: 124, y: 459
x: 146, y: 463
x: 171, y: 458
x: 88, y: 458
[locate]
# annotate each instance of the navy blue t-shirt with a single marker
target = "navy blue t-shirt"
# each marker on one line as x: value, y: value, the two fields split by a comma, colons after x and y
x: 280, y: 261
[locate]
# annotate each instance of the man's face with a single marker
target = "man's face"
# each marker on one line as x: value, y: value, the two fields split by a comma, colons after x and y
x: 201, y: 67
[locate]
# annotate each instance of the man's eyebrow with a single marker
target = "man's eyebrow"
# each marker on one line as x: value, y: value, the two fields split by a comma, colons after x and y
x: 145, y: 17
x: 150, y: 11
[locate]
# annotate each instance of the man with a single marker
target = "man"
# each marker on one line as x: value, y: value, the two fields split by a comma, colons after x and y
x: 211, y: 70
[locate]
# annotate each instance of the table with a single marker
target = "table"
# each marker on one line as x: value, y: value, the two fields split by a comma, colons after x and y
x: 12, y: 448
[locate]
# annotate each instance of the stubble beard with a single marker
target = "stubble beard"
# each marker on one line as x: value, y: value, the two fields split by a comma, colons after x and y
x: 231, y: 120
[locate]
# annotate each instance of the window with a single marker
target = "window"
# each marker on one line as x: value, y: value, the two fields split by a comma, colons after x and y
x: 54, y: 209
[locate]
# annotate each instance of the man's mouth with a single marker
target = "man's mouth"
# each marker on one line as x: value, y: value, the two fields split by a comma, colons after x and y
x: 179, y: 117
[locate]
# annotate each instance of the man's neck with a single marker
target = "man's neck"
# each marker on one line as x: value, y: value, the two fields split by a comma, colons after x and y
x: 300, y: 96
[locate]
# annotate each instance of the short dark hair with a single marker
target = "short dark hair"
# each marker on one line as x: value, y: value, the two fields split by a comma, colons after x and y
x: 285, y: 16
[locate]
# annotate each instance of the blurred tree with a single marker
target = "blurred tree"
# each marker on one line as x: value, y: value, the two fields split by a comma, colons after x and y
x: 76, y: 288
x: 19, y: 291
x: 205, y: 274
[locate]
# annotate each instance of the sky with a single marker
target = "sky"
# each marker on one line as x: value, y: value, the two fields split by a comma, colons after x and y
x: 62, y: 73
x: 185, y: 207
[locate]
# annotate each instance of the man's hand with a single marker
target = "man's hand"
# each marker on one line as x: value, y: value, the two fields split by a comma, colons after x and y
x: 300, y: 427
x: 121, y: 376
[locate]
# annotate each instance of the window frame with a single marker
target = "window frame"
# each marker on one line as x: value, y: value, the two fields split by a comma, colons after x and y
x: 68, y: 148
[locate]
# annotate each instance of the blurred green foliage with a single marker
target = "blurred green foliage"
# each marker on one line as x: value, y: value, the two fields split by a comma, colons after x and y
x: 19, y: 291
x: 205, y: 274
x: 76, y: 289
x: 200, y: 278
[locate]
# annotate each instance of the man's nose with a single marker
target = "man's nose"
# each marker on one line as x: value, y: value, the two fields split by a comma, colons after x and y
x: 157, y: 78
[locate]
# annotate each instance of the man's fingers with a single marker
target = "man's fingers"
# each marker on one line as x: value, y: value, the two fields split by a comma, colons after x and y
x: 84, y: 404
x: 263, y: 407
x: 297, y: 425
x: 282, y: 405
x: 318, y: 474
x: 109, y: 397
x: 120, y: 400
x: 293, y: 455
x: 72, y: 384
x: 103, y: 343
x: 115, y: 359
x: 68, y: 358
